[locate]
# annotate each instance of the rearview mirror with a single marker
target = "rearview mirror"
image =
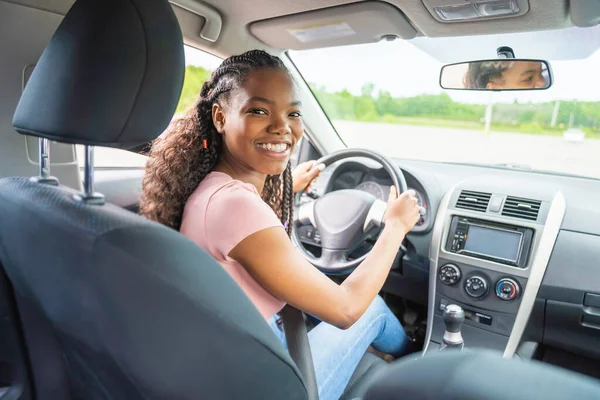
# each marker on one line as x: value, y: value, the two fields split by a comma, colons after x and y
x: 497, y: 75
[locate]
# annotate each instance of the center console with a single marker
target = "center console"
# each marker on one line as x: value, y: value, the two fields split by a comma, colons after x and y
x: 488, y: 255
x: 498, y: 242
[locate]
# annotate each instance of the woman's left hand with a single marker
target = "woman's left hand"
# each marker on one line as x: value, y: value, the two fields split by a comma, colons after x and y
x: 304, y: 174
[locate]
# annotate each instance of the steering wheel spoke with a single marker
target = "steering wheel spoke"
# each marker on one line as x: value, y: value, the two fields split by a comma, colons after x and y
x: 331, y: 257
x: 305, y: 214
x: 375, y: 215
x: 346, y: 218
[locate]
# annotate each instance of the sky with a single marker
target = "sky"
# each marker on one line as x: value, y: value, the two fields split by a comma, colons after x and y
x: 402, y: 68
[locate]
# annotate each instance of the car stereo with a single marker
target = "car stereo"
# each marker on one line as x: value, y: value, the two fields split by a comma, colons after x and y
x: 501, y: 243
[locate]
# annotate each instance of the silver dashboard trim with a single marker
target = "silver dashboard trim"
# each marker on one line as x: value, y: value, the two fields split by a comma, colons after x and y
x: 537, y: 271
x: 434, y: 253
x: 543, y: 245
x: 487, y: 264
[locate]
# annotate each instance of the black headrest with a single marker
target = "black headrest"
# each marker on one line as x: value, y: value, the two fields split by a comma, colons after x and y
x: 110, y: 76
x: 478, y: 374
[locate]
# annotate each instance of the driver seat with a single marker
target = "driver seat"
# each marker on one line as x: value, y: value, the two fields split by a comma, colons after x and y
x: 120, y: 306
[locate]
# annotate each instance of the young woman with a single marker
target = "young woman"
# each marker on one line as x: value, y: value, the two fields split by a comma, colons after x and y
x: 221, y: 175
x: 505, y: 75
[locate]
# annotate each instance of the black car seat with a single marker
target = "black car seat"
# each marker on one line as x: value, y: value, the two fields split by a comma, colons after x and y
x: 479, y: 375
x: 112, y: 305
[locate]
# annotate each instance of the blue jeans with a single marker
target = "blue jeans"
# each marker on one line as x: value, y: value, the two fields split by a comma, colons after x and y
x: 337, y: 352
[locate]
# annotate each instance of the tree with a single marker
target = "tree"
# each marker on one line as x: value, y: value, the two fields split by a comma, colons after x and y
x: 386, y: 108
x: 385, y: 104
x: 367, y: 90
x: 192, y: 83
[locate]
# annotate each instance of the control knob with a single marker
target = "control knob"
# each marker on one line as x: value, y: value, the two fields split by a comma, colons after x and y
x: 476, y: 286
x: 507, y: 289
x: 449, y: 274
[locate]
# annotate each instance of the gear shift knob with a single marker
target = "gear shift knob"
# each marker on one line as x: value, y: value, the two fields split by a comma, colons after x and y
x: 454, y: 316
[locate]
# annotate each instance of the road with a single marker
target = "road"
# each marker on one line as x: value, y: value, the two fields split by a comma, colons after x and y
x: 550, y: 153
x: 444, y: 144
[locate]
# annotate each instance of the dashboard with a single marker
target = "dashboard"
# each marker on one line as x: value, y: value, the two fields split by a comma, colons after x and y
x: 381, y: 190
x: 520, y: 277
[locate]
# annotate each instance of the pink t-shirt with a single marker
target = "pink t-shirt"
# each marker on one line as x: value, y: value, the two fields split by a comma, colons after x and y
x: 220, y: 214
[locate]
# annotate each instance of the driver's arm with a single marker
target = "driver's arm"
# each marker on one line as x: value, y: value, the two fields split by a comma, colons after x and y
x: 269, y: 256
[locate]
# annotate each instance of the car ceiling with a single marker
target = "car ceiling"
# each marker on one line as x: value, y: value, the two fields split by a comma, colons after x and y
x: 238, y: 16
x: 566, y: 44
x: 543, y: 15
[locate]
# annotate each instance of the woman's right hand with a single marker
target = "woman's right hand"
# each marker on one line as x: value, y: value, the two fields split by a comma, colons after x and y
x: 403, y: 210
x: 287, y: 275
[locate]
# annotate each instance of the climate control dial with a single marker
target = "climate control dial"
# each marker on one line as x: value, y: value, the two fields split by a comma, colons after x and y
x: 507, y: 289
x: 449, y: 274
x: 476, y: 286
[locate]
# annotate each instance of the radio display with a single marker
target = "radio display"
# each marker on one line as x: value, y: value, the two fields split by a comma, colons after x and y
x: 495, y: 243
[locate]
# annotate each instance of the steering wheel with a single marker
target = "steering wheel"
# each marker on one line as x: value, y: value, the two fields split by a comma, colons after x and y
x: 345, y: 218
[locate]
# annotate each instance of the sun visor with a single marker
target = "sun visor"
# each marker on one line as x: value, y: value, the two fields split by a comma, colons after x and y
x: 357, y: 23
x: 585, y: 13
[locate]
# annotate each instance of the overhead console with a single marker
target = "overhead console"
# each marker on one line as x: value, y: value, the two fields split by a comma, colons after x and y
x: 490, y: 249
x: 472, y: 10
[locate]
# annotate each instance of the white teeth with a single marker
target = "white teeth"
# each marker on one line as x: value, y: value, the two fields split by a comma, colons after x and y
x: 276, y: 147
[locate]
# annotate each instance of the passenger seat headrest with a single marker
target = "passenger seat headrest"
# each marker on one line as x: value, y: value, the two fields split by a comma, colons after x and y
x: 111, y: 75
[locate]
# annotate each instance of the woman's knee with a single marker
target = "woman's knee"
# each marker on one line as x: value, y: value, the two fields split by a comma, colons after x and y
x: 378, y: 303
x: 377, y: 307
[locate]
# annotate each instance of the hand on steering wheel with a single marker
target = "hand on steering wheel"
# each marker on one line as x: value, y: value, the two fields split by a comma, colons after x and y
x: 403, y: 210
x: 304, y: 174
x: 345, y: 218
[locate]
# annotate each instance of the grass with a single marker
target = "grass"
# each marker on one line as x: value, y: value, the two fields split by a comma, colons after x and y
x: 530, y: 129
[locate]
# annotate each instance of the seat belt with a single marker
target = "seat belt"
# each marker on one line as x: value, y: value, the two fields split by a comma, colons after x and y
x: 296, y: 336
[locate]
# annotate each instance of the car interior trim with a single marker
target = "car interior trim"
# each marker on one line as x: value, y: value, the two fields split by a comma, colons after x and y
x: 211, y: 30
x: 538, y: 269
x: 434, y: 253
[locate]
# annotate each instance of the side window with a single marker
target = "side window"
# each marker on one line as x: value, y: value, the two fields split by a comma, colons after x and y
x: 198, y: 66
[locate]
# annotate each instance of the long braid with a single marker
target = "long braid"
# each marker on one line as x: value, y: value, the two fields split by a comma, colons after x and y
x: 184, y: 155
x: 272, y: 193
x: 279, y: 194
x: 288, y: 200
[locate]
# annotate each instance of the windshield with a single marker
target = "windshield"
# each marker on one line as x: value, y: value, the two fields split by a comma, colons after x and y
x: 386, y: 96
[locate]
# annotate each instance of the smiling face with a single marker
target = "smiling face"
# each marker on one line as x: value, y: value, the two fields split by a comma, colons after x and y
x: 260, y: 122
x: 522, y: 75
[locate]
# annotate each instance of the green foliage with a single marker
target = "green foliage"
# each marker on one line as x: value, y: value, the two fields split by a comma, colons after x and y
x: 439, y: 109
x: 192, y: 82
x: 366, y: 107
x: 433, y: 110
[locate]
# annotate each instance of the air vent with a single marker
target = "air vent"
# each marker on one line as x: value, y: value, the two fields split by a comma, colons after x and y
x: 475, y: 201
x: 517, y: 207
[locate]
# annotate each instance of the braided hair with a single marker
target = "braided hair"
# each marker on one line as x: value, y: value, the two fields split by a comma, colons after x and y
x: 481, y: 73
x: 190, y: 148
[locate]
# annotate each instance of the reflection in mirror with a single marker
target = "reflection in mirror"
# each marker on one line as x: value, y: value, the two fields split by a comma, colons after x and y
x: 497, y: 75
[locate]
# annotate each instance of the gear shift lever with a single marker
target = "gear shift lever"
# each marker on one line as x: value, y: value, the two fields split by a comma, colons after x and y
x: 454, y: 316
